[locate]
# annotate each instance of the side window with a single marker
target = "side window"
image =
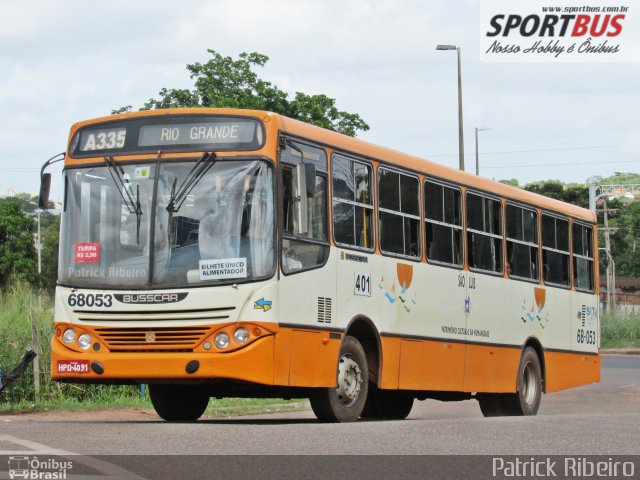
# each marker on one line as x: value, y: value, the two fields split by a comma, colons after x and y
x: 522, y: 242
x: 443, y: 223
x: 582, y: 257
x: 304, y: 207
x: 555, y: 250
x: 352, y: 202
x: 484, y: 233
x: 399, y: 213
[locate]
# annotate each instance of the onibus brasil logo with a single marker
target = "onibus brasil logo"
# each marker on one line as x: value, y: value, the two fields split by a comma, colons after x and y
x: 35, y: 469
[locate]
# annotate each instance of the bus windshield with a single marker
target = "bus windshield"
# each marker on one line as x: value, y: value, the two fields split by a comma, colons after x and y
x: 223, y: 231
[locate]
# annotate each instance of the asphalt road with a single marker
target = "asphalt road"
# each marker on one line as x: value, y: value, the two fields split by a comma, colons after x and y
x: 598, y: 419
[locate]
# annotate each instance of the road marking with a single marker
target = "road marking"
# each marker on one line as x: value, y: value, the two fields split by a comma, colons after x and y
x: 105, y: 470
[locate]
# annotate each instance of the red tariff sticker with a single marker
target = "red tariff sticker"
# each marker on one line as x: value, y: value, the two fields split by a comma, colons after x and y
x: 73, y: 366
x: 87, y: 252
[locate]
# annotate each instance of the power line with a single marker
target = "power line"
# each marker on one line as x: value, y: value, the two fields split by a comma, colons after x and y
x: 560, y: 164
x: 558, y: 149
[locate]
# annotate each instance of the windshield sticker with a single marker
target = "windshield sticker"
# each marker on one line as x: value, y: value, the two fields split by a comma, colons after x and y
x: 87, y: 252
x: 223, y: 268
x: 142, y: 173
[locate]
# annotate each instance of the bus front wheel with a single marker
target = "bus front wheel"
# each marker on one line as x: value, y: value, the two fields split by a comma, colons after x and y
x: 526, y: 400
x: 345, y: 402
x: 179, y: 403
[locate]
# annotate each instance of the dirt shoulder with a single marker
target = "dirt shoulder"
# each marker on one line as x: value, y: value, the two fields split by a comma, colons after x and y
x: 102, y: 415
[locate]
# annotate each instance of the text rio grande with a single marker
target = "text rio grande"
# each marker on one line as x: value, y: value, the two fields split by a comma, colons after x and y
x: 201, y: 132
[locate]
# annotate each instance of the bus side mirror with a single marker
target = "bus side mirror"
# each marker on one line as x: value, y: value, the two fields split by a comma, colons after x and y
x: 45, y: 186
x: 310, y: 177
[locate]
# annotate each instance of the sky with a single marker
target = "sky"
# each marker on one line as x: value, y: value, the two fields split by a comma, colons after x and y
x: 69, y: 60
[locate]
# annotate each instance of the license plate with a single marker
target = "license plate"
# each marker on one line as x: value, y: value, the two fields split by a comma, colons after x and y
x: 73, y: 366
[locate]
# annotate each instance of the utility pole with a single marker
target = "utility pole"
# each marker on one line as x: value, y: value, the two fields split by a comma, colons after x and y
x: 460, y: 132
x: 611, y: 279
x: 596, y: 191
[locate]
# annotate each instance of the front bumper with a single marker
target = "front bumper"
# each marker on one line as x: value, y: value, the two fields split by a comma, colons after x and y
x: 254, y: 363
x: 282, y: 356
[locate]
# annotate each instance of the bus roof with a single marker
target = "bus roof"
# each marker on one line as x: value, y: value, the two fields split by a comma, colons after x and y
x: 359, y: 147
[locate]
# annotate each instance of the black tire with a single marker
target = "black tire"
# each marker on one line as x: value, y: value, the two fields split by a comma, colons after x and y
x: 387, y: 404
x: 370, y: 411
x: 345, y: 402
x: 179, y: 403
x: 526, y: 401
x: 393, y: 404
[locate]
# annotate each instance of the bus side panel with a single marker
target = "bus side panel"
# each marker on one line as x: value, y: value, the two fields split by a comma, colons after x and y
x: 491, y: 368
x: 390, y: 363
x: 585, y: 330
x: 314, y: 359
x: 566, y: 370
x: 419, y: 306
x: 442, y: 362
x: 282, y: 356
x: 411, y: 364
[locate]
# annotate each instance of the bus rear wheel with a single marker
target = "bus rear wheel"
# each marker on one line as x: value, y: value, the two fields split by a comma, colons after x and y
x: 179, y: 403
x: 387, y: 404
x: 526, y: 401
x: 345, y: 402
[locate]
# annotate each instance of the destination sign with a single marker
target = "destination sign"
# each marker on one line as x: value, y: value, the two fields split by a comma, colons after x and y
x: 197, y: 133
x: 168, y: 133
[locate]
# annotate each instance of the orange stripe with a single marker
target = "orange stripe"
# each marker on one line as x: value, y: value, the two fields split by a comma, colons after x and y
x: 422, y: 364
x: 491, y: 368
x: 566, y: 370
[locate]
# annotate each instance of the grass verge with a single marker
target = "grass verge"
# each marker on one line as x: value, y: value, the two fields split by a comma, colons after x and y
x: 225, y: 407
x: 620, y: 331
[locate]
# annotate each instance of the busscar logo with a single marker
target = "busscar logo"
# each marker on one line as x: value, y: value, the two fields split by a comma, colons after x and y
x: 149, y: 298
x: 558, y: 31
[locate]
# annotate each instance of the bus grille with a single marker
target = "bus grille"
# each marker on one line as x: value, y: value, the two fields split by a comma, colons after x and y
x: 152, y: 339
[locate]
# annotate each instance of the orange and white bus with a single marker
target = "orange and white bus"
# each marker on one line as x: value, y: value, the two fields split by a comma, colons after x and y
x: 240, y: 253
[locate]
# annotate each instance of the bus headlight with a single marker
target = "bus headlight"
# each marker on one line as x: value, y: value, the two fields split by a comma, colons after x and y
x: 69, y: 336
x: 241, y: 335
x: 222, y: 340
x: 84, y: 341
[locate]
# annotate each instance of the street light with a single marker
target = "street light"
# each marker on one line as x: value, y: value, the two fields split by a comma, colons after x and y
x: 460, y: 134
x: 482, y: 129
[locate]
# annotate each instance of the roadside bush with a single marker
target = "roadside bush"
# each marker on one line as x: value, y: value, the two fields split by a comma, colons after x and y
x: 26, y: 319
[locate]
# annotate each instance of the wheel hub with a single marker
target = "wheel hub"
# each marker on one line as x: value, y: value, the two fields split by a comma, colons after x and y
x: 349, y: 380
x: 530, y: 386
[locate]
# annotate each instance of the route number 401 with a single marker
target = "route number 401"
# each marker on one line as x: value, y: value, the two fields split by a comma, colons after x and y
x: 362, y: 284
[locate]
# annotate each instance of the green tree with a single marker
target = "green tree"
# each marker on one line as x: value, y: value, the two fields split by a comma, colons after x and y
x: 571, y: 193
x: 622, y: 178
x: 225, y: 82
x: 625, y: 240
x: 17, y: 252
x: 50, y: 246
x: 512, y: 181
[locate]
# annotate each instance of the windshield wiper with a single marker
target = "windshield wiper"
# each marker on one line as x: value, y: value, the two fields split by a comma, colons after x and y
x: 198, y: 171
x: 123, y: 185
